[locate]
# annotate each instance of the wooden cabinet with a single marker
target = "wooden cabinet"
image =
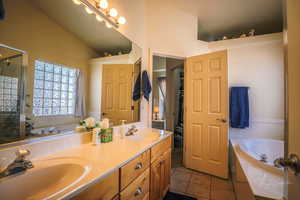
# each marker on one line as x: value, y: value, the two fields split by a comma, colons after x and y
x: 166, y: 172
x: 106, y: 189
x: 134, y: 168
x: 160, y: 176
x: 138, y: 189
x: 143, y: 178
x: 159, y: 149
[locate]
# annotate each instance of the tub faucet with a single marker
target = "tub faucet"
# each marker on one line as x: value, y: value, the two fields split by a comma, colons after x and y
x: 18, y: 165
x: 263, y: 158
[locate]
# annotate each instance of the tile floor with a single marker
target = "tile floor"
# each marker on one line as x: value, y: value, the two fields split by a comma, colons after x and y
x: 200, y: 186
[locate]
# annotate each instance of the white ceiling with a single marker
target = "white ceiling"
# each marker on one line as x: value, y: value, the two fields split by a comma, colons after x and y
x: 75, y: 19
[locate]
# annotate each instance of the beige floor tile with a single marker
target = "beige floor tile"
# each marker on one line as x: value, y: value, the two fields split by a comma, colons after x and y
x: 181, y: 175
x: 199, y: 190
x: 178, y: 186
x: 201, y: 179
x: 183, y: 169
x: 222, y: 195
x: 220, y: 184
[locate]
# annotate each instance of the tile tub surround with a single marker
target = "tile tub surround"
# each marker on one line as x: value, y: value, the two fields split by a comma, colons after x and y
x: 105, y: 158
x: 264, y: 181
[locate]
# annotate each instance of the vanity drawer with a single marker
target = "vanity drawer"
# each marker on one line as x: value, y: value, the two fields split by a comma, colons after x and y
x: 138, y: 189
x: 106, y: 189
x: 159, y: 149
x: 134, y: 168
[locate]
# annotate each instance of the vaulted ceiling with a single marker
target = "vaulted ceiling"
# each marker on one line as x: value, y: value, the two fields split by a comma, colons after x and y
x: 94, y: 33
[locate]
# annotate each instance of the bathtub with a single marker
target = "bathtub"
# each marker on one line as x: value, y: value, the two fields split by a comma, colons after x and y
x: 263, y: 150
x: 252, y: 164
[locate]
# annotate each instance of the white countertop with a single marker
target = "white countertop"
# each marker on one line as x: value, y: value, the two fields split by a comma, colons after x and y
x: 265, y: 182
x: 103, y: 159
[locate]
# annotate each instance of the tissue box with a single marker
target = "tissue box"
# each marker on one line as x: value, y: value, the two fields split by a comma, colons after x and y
x: 106, y: 135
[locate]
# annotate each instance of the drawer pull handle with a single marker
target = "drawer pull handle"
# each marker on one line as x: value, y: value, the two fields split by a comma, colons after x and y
x: 138, y: 192
x: 138, y: 166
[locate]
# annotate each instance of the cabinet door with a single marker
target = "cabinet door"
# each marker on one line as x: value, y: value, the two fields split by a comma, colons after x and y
x: 105, y: 189
x: 155, y: 182
x: 166, y: 172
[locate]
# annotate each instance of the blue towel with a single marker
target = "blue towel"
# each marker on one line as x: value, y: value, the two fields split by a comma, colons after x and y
x: 2, y: 11
x: 136, y: 95
x: 239, y: 107
x: 146, y: 85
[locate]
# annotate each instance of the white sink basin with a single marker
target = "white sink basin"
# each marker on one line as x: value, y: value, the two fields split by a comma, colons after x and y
x: 47, y: 179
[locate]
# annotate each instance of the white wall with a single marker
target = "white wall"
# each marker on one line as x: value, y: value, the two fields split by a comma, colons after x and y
x: 258, y: 63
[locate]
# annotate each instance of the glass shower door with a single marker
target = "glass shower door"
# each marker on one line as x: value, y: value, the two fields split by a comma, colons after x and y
x: 12, y: 125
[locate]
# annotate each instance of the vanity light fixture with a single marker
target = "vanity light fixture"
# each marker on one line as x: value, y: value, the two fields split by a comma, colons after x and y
x: 100, y: 19
x: 103, y: 4
x: 108, y: 25
x: 121, y: 20
x: 113, y: 12
x: 77, y: 2
x: 102, y: 11
x: 88, y: 10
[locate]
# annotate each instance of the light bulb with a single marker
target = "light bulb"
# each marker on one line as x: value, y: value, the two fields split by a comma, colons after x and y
x: 103, y: 4
x: 100, y: 19
x: 77, y: 2
x: 121, y: 20
x: 88, y: 10
x: 113, y: 12
x: 108, y: 25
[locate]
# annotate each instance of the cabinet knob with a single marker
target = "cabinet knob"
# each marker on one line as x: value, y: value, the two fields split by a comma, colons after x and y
x: 138, y: 191
x: 138, y: 166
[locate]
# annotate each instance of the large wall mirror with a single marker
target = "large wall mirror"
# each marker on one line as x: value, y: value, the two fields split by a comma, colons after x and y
x: 58, y: 65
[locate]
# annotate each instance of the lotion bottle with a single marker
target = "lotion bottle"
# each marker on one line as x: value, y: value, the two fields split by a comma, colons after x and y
x: 122, y: 129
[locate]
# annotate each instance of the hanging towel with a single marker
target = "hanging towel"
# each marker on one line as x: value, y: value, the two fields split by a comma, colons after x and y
x: 239, y: 107
x: 136, y: 95
x: 146, y: 85
x: 2, y: 11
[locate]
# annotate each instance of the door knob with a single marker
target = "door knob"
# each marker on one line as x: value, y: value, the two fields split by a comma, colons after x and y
x: 222, y: 120
x: 103, y: 114
x: 292, y: 162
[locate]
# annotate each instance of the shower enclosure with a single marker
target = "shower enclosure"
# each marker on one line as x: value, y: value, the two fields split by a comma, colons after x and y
x: 12, y: 97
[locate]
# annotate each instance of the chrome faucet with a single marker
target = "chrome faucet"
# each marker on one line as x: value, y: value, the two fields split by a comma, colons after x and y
x: 131, y: 131
x: 18, y: 165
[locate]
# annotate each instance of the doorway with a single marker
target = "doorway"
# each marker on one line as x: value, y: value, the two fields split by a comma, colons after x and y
x: 167, y: 106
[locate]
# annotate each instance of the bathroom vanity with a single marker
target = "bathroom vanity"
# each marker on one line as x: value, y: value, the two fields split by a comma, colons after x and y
x: 136, y: 167
x: 145, y: 177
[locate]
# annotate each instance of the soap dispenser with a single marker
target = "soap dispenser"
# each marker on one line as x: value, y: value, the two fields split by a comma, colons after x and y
x: 122, y: 129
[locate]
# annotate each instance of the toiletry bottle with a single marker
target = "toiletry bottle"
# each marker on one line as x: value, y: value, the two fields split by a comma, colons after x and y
x: 96, y: 137
x: 122, y: 129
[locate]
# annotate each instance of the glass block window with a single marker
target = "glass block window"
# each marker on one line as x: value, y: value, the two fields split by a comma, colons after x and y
x: 8, y: 94
x: 54, y: 89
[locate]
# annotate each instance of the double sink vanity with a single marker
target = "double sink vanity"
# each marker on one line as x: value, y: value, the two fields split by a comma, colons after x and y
x: 136, y: 167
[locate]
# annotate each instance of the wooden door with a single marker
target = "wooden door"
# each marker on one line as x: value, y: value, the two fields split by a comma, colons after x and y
x: 155, y: 180
x: 292, y: 73
x: 117, y: 92
x: 206, y: 113
x: 123, y: 95
x: 108, y: 86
